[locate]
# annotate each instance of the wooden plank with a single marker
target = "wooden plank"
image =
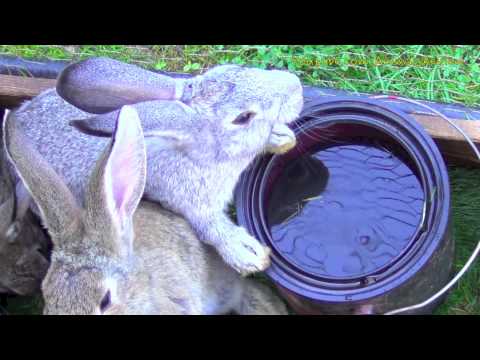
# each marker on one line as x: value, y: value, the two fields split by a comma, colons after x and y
x: 451, y: 142
x: 15, y: 89
x: 457, y: 153
x: 438, y: 127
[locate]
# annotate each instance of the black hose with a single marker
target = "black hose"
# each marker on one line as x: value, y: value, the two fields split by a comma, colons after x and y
x: 47, y: 69
x: 454, y: 111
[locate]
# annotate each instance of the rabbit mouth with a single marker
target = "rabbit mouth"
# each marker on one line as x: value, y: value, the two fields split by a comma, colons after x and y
x: 281, y: 140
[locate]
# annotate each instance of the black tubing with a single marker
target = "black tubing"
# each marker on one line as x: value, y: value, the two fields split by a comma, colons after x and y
x: 454, y: 111
x: 48, y: 69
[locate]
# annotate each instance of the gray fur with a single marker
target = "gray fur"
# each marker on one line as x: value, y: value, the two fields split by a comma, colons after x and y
x: 195, y: 153
x: 166, y: 271
x: 23, y: 244
x: 100, y: 85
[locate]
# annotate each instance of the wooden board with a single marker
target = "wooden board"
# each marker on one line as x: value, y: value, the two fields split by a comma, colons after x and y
x: 451, y: 142
x: 16, y: 89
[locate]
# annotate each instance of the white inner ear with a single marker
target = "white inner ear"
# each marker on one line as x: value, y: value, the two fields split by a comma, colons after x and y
x: 110, y: 198
x: 123, y: 167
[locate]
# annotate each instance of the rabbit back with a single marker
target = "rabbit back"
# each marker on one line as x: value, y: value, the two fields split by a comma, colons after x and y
x: 72, y: 154
x: 183, y: 270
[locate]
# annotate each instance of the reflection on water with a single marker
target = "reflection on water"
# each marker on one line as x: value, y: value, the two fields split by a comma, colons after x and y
x: 346, y: 210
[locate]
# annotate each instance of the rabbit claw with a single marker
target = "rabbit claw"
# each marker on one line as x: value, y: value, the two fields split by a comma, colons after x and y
x: 247, y: 256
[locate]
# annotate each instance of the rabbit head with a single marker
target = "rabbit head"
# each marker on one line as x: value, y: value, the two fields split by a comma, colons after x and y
x: 23, y: 244
x: 245, y: 106
x: 275, y: 93
x: 243, y: 110
x: 92, y: 251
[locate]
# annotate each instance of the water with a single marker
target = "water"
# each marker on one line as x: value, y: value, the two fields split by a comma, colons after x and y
x: 345, y: 210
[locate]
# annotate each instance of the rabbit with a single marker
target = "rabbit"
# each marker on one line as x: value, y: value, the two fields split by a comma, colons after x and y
x: 24, y: 245
x: 200, y: 137
x: 119, y: 254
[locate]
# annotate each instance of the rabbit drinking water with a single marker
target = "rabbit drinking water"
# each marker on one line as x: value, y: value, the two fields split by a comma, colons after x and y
x: 196, y: 148
x: 120, y: 255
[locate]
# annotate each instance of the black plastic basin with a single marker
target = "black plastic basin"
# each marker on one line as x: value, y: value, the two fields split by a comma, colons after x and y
x: 357, y: 215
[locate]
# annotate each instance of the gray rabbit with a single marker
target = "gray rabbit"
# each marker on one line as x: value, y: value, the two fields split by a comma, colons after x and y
x: 23, y: 244
x: 117, y: 255
x: 201, y: 133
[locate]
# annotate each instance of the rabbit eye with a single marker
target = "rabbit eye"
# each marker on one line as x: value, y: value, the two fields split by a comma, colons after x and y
x: 106, y: 302
x: 244, y: 118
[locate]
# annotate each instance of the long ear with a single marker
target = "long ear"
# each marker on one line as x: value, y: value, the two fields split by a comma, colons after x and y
x: 118, y: 182
x: 55, y: 201
x: 166, y: 124
x: 20, y: 204
x: 6, y: 183
x: 100, y: 85
x: 7, y: 198
x: 14, y: 200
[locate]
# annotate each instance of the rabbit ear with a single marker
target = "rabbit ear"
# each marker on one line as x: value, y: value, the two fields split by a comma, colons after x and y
x: 100, y: 85
x: 55, y: 201
x: 118, y: 182
x: 7, y: 195
x: 6, y: 184
x: 23, y: 200
x: 161, y: 122
x: 20, y: 204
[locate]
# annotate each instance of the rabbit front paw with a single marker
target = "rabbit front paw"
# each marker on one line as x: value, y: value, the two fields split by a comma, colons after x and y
x: 246, y: 255
x: 281, y: 140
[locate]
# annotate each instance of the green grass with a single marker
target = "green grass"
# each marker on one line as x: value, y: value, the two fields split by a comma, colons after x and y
x: 31, y: 305
x: 438, y: 73
x: 465, y: 185
x: 441, y: 73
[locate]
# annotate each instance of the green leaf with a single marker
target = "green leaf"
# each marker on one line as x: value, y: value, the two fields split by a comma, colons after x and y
x: 160, y: 65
